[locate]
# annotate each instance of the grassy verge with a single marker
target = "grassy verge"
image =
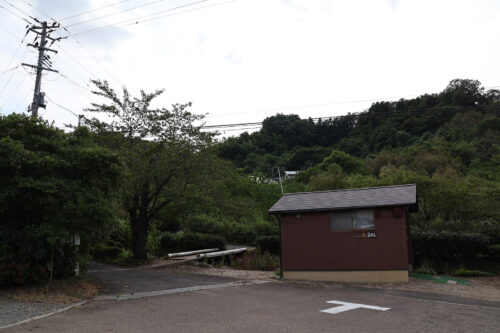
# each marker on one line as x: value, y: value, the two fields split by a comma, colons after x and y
x: 66, y: 291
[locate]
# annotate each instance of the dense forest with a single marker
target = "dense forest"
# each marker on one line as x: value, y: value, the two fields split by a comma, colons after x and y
x: 150, y: 181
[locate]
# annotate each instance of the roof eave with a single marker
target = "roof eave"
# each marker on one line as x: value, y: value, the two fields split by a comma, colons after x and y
x: 413, y: 207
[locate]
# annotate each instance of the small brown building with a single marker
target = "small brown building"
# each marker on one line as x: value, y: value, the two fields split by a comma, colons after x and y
x: 346, y: 235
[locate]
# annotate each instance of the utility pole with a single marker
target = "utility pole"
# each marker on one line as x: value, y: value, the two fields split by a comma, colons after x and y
x: 281, y: 184
x: 42, y: 37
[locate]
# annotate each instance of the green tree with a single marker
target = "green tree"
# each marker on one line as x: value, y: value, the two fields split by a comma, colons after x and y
x: 52, y: 185
x: 159, y: 148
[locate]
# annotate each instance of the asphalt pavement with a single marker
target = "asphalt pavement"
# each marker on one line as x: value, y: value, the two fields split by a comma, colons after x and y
x: 120, y: 280
x: 278, y: 307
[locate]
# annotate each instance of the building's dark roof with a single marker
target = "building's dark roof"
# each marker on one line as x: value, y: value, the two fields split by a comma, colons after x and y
x: 398, y: 195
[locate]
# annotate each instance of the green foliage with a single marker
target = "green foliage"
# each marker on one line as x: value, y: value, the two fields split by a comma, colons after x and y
x: 385, y: 126
x: 266, y: 228
x: 187, y: 241
x: 162, y: 152
x: 495, y: 251
x: 52, y: 185
x: 447, y: 248
x: 239, y: 233
x: 269, y: 244
x: 467, y: 272
x: 105, y: 252
x: 346, y: 162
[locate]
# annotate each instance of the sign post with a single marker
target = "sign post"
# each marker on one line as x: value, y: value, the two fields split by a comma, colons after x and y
x: 77, y: 264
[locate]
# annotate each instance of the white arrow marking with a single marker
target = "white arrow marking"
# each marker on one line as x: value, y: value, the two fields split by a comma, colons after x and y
x: 345, y: 306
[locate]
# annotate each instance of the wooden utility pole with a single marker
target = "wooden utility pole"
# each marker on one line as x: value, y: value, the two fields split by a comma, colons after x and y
x: 42, y: 37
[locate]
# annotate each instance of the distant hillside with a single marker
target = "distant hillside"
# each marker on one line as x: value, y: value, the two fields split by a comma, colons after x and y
x: 447, y: 143
x: 463, y: 113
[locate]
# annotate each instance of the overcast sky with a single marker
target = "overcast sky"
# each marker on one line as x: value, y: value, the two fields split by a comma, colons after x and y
x: 244, y: 60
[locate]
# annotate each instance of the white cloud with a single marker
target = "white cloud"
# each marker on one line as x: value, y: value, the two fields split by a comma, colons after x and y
x: 260, y: 55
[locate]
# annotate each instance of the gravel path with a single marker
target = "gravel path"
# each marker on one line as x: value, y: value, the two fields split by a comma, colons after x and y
x: 13, y: 311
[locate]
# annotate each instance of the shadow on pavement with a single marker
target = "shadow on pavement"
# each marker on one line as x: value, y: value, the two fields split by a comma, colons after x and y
x: 121, y: 280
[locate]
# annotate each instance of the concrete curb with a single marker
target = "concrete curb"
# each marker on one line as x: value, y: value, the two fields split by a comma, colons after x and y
x: 124, y: 297
x: 44, y: 315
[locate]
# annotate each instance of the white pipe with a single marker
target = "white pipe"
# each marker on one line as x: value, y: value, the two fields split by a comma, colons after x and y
x: 221, y: 253
x: 189, y: 253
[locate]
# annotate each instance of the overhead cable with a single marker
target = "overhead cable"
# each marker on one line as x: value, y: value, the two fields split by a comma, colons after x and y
x: 116, y: 13
x: 151, y: 17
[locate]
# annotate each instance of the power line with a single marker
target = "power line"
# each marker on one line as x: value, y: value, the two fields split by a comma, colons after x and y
x: 76, y: 61
x: 60, y: 106
x: 93, y: 10
x: 70, y: 68
x: 19, y: 16
x: 11, y: 33
x: 306, y: 106
x: 78, y: 42
x: 10, y: 70
x: 75, y: 83
x: 14, y: 56
x: 360, y: 114
x: 12, y: 73
x: 116, y: 13
x: 52, y: 101
x: 151, y: 17
x: 38, y: 10
x: 22, y: 101
x: 95, y: 59
x: 13, y: 91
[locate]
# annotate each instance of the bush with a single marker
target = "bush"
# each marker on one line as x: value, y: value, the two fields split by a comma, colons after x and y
x: 495, y: 250
x: 202, y: 223
x: 106, y: 252
x: 269, y: 244
x: 239, y: 233
x: 53, y: 185
x: 18, y: 266
x: 466, y: 272
x: 447, y: 248
x: 265, y: 228
x: 187, y: 241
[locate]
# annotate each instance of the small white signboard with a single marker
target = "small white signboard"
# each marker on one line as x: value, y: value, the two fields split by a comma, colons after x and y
x: 77, y: 239
x: 345, y: 306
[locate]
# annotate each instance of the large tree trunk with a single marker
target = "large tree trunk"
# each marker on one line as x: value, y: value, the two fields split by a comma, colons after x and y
x: 139, y: 224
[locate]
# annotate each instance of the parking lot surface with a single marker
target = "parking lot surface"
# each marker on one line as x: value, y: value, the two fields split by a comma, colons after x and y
x: 277, y: 307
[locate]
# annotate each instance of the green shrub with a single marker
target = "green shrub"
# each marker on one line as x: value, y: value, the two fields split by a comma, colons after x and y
x: 187, y: 241
x: 495, y: 250
x: 265, y: 228
x: 27, y: 258
x: 466, y: 272
x: 202, y: 223
x: 106, y: 252
x: 53, y: 185
x: 269, y: 244
x: 239, y: 233
x: 447, y: 248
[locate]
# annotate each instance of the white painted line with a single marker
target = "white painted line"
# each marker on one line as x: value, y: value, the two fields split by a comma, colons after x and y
x: 44, y: 315
x: 175, y: 291
x: 345, y: 306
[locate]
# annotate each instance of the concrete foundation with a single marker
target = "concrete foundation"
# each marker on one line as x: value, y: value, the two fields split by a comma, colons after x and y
x: 349, y: 276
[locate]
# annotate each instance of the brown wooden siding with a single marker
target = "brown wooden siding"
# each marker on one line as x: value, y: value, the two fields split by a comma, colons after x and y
x: 308, y: 243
